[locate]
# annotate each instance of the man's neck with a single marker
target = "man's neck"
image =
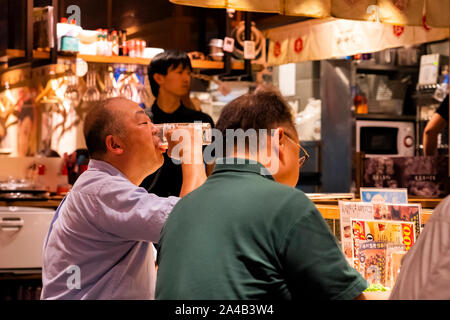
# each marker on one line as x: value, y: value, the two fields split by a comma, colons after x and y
x: 167, y: 102
x: 135, y: 176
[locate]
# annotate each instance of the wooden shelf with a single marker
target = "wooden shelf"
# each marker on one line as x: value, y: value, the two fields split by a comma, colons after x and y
x: 332, y: 212
x: 51, y: 204
x: 17, y: 53
x: 208, y: 64
x: 196, y: 64
x: 112, y: 59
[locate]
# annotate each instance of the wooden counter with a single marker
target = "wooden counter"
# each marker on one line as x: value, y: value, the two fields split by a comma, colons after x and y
x: 426, y: 202
x: 50, y: 204
x: 332, y: 212
x: 328, y: 208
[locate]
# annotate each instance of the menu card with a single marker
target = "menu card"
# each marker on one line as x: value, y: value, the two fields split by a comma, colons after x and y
x: 411, y: 213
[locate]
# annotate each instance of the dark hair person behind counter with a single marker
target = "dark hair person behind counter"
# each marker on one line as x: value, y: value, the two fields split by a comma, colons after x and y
x: 170, y: 78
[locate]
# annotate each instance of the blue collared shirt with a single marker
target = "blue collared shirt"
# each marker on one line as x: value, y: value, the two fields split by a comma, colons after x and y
x: 100, y: 243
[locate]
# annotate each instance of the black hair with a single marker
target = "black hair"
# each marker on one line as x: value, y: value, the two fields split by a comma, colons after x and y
x: 264, y: 108
x: 161, y: 64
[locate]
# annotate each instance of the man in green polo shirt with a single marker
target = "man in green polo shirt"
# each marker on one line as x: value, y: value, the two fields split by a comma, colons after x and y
x: 246, y: 233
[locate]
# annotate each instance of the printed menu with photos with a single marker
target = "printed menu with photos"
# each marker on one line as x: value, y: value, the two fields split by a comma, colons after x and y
x: 348, y: 210
x: 364, y: 210
x: 380, y: 261
x: 380, y: 231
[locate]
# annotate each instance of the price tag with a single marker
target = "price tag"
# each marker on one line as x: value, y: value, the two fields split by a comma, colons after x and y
x: 228, y: 44
x: 249, y: 50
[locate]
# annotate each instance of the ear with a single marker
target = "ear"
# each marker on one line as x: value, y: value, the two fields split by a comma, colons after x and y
x: 114, y: 145
x: 280, y: 145
x: 159, y: 78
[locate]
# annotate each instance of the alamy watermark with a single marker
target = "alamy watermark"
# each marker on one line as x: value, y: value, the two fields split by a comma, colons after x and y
x: 259, y: 144
x: 75, y: 14
x: 74, y: 280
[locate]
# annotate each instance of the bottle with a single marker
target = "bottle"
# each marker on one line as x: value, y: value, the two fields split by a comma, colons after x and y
x: 137, y: 48
x: 99, y: 42
x: 108, y: 43
x: 64, y: 187
x: 360, y: 102
x: 123, y: 43
x: 143, y: 46
x: 131, y: 48
x: 115, y: 43
x: 42, y: 178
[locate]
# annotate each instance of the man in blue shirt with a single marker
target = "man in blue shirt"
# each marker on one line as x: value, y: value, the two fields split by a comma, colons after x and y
x: 99, y: 244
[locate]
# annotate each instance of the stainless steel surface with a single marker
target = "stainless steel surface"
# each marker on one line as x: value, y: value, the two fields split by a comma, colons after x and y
x: 22, y: 234
x: 337, y: 125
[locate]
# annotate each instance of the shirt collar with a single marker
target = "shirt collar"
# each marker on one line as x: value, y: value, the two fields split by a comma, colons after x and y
x: 241, y: 165
x: 105, y: 167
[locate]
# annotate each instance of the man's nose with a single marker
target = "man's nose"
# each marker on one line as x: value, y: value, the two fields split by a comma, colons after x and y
x: 154, y: 128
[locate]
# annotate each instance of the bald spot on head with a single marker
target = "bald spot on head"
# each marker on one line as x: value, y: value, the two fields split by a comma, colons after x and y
x: 105, y: 118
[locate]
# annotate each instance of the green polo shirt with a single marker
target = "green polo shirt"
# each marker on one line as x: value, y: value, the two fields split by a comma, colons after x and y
x: 242, y: 235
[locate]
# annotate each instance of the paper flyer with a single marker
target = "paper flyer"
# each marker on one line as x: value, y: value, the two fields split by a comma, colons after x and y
x: 374, y: 195
x: 397, y: 232
x: 348, y: 210
x: 380, y: 261
x: 365, y: 210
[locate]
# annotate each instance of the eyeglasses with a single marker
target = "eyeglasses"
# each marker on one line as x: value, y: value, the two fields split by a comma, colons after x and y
x: 302, y: 158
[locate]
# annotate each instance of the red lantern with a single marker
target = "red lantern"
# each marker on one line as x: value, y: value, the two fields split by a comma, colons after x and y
x: 298, y: 45
x: 277, y: 49
x: 398, y: 30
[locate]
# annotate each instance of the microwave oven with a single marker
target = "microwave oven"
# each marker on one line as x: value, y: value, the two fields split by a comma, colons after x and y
x: 378, y: 138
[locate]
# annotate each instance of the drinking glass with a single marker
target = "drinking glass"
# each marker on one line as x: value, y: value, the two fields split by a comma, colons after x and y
x: 164, y: 127
x: 92, y: 94
x: 71, y: 94
x: 110, y: 90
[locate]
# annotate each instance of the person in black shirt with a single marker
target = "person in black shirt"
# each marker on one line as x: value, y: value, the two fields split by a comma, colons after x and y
x: 170, y: 78
x: 434, y: 127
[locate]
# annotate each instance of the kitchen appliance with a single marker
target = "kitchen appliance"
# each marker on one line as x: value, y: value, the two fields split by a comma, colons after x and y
x: 22, y: 189
x: 385, y: 138
x: 431, y: 67
x: 22, y: 234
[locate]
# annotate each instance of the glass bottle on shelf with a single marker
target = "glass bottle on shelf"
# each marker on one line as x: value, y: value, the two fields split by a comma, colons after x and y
x: 115, y: 43
x: 360, y: 102
x: 108, y: 43
x: 123, y: 50
x: 100, y: 50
